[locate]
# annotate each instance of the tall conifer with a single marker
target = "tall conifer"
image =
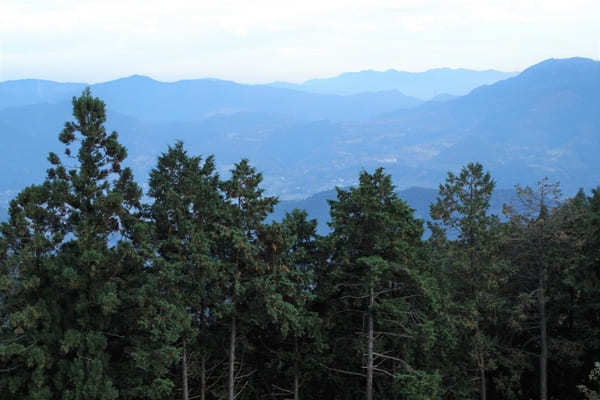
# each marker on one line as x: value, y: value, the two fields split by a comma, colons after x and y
x: 74, y: 272
x: 375, y: 285
x: 185, y: 212
x: 239, y: 251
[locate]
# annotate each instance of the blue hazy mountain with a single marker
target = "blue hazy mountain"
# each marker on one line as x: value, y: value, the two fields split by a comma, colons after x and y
x: 423, y: 85
x: 32, y: 91
x: 443, y: 97
x: 29, y: 133
x: 418, y: 198
x: 194, y: 100
x: 543, y: 122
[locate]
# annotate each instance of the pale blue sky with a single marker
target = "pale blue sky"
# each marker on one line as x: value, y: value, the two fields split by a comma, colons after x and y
x: 260, y: 41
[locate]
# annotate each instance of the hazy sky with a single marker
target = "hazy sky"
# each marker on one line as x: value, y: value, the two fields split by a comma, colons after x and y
x: 261, y: 41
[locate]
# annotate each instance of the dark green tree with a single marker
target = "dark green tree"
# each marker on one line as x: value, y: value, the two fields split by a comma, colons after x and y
x: 553, y: 245
x: 242, y: 270
x: 573, y: 312
x: 537, y: 255
x: 378, y: 307
x: 185, y: 212
x: 291, y: 329
x: 472, y: 268
x: 73, y: 275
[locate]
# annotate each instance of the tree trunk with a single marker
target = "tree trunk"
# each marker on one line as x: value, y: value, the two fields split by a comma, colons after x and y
x: 483, y: 390
x: 231, y: 383
x: 543, y: 335
x: 203, y: 378
x: 203, y: 358
x: 370, y: 347
x: 296, y: 372
x: 184, y: 373
x: 296, y: 386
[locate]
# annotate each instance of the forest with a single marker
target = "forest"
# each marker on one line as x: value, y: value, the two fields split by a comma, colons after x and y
x: 186, y: 292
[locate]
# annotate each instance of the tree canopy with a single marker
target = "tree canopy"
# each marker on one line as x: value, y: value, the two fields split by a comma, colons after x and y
x: 190, y: 293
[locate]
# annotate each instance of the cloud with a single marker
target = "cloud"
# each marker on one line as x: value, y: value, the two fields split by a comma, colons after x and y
x: 265, y: 40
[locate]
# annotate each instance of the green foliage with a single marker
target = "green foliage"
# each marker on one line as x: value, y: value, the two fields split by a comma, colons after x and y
x: 473, y: 273
x: 593, y: 392
x: 238, y: 244
x: 463, y: 203
x: 103, y: 297
x: 185, y: 213
x: 74, y: 265
x: 420, y: 385
x: 375, y: 269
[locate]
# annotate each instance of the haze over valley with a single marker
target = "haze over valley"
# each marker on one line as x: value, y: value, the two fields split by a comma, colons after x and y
x: 279, y: 200
x: 541, y: 122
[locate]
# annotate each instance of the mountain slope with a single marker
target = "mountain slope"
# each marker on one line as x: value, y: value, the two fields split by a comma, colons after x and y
x: 418, y: 198
x: 33, y: 91
x: 194, y: 100
x: 544, y: 122
x: 424, y: 85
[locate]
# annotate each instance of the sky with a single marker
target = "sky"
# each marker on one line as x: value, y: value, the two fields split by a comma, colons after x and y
x: 259, y: 41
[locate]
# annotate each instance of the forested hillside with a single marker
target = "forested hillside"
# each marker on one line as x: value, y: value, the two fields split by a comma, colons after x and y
x: 424, y: 85
x: 184, y: 291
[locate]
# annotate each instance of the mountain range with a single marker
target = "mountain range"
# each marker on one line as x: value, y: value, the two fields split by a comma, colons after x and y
x: 418, y: 198
x: 423, y: 85
x: 544, y: 121
x: 195, y: 100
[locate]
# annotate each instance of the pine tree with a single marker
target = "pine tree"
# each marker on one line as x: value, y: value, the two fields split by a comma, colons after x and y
x: 73, y: 272
x: 241, y: 269
x: 374, y: 286
x: 185, y: 211
x: 537, y: 254
x: 292, y: 328
x: 573, y: 312
x: 553, y: 243
x: 473, y: 271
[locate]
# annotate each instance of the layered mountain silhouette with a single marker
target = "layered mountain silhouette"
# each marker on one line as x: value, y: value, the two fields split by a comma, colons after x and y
x: 545, y: 121
x: 195, y: 100
x: 542, y: 122
x: 424, y: 85
x: 418, y: 198
x: 25, y: 92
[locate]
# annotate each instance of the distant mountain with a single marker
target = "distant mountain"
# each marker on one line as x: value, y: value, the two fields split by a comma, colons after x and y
x: 418, y: 198
x: 443, y: 97
x: 423, y: 85
x: 543, y: 122
x: 194, y: 100
x: 33, y: 91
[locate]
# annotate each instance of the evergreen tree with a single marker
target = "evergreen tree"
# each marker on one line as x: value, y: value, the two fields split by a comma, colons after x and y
x: 555, y: 312
x: 378, y: 305
x: 472, y: 270
x: 241, y: 270
x: 185, y: 210
x: 292, y: 328
x: 74, y: 268
x: 104, y: 298
x: 573, y: 312
x: 536, y: 252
